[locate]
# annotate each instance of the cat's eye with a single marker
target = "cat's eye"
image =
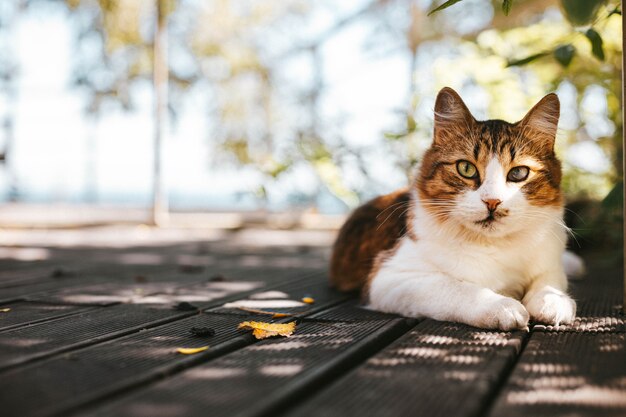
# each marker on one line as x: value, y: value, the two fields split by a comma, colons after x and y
x: 518, y: 174
x: 467, y: 169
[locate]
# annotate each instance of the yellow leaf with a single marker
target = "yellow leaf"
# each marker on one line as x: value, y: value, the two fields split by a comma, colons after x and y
x: 308, y: 300
x: 262, y: 330
x: 5, y: 310
x: 191, y: 351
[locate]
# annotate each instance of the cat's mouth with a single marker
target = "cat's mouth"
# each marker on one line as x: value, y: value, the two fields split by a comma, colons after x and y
x: 491, y: 218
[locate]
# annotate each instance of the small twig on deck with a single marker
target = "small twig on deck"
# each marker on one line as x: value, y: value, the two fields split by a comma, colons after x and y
x: 269, y: 313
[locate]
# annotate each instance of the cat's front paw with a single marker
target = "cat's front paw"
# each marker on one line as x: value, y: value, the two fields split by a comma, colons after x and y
x: 551, y: 306
x: 502, y: 313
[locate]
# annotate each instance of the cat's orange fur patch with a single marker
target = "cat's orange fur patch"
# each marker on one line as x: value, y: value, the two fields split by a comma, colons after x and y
x: 373, y: 228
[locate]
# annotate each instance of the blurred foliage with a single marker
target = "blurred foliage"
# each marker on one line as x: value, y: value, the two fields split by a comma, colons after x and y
x: 506, y: 6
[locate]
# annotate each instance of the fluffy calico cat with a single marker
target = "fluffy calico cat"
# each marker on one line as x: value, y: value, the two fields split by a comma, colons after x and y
x: 478, y: 238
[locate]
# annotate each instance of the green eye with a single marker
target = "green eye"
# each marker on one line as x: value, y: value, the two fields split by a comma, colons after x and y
x: 467, y: 169
x: 518, y: 174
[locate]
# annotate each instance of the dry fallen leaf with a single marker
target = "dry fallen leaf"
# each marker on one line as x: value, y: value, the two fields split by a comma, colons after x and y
x: 191, y: 351
x: 261, y: 330
x: 5, y: 310
x: 308, y: 300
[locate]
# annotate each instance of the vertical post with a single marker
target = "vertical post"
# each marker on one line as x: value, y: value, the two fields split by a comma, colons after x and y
x: 91, y: 160
x: 9, y: 75
x: 160, y: 86
x: 413, y: 40
x: 624, y: 152
x: 318, y: 84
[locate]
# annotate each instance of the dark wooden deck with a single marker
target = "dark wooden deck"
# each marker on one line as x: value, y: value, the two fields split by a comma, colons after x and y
x: 92, y: 330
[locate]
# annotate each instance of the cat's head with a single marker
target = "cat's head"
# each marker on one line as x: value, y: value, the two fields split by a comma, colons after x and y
x: 491, y: 177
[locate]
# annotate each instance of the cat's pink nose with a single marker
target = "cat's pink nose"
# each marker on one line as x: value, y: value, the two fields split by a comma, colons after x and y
x: 492, y: 204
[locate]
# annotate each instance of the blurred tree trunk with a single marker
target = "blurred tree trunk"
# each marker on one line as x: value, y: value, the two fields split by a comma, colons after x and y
x: 414, y: 38
x: 624, y: 150
x: 8, y: 125
x: 160, y: 80
x: 8, y: 81
x: 91, y: 161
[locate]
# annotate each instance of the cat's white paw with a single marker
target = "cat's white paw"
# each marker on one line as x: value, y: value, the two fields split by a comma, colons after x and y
x: 502, y: 313
x: 551, y: 306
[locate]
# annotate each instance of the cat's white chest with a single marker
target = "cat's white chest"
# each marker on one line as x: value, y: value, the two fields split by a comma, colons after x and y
x: 505, y: 271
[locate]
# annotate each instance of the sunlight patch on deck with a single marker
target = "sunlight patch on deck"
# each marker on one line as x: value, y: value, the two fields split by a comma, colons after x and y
x: 214, y: 373
x: 591, y: 395
x: 282, y: 370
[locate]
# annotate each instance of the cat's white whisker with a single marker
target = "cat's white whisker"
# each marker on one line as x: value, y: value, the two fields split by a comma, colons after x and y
x: 390, y: 207
x: 391, y: 214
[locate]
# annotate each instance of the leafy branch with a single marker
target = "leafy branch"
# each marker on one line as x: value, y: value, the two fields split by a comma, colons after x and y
x: 506, y: 6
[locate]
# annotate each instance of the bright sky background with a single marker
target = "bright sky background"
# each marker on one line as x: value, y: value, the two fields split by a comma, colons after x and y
x: 52, y: 155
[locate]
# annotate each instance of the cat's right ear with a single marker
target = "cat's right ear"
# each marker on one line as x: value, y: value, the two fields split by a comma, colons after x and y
x: 451, y: 115
x: 543, y: 120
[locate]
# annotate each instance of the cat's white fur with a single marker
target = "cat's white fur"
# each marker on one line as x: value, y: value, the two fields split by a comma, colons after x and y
x: 496, y: 276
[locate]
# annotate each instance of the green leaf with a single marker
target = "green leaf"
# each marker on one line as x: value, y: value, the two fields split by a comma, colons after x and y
x: 506, y: 6
x: 615, y: 197
x: 564, y: 54
x: 616, y: 11
x: 596, y: 43
x: 444, y: 6
x: 410, y: 124
x: 524, y: 61
x: 581, y: 12
x: 394, y: 136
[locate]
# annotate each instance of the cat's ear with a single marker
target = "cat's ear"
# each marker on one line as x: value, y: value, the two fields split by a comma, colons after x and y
x: 542, y: 120
x: 451, y: 115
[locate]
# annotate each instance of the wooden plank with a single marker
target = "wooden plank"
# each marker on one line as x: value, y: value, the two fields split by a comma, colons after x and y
x: 77, y: 271
x: 19, y: 293
x: 576, y: 369
x: 118, y: 365
x: 107, y: 288
x: 437, y: 369
x: 287, y: 299
x: 38, y: 287
x: 25, y: 314
x: 172, y: 291
x: 263, y: 378
x: 568, y: 373
x: 24, y: 345
x: 138, y: 293
x: 68, y: 381
x: 11, y: 276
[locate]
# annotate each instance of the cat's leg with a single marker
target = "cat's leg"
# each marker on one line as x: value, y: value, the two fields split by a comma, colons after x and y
x: 441, y: 297
x: 547, y: 301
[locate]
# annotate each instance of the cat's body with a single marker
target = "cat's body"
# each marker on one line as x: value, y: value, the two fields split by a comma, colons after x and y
x: 478, y: 238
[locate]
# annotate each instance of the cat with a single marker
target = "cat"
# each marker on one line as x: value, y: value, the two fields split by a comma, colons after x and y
x: 478, y: 237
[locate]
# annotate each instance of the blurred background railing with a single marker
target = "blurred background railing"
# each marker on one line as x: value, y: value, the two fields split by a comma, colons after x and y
x: 270, y: 107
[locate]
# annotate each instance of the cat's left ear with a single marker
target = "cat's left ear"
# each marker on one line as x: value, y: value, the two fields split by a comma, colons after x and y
x: 451, y: 116
x: 542, y: 120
